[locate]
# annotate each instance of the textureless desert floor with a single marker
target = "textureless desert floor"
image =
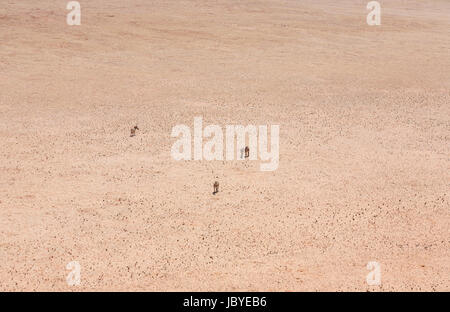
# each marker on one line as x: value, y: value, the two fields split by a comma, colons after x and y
x: 364, y: 145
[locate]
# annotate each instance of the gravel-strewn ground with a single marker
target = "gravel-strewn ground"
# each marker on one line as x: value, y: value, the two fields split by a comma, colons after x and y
x: 364, y: 145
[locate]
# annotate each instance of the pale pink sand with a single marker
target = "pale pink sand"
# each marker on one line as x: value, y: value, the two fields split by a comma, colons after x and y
x: 364, y: 160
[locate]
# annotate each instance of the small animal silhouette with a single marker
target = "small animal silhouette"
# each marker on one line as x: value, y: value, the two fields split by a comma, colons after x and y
x: 216, y: 187
x: 247, y: 152
x: 133, y: 131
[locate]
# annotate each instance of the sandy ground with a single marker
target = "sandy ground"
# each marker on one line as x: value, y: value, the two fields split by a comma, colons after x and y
x: 364, y: 145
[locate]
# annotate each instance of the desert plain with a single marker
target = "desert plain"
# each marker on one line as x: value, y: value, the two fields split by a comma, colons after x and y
x: 364, y: 169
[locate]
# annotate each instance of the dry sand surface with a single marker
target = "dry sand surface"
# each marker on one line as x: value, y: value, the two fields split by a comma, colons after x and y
x: 364, y: 145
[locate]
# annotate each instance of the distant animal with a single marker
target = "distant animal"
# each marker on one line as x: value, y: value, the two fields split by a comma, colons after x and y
x: 216, y: 187
x: 247, y: 152
x: 133, y: 131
